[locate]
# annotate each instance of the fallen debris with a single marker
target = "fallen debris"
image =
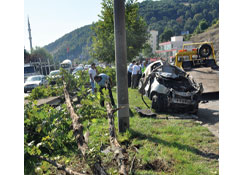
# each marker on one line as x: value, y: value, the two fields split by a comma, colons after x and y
x: 115, y: 146
x: 82, y: 140
x: 183, y: 116
x: 145, y: 112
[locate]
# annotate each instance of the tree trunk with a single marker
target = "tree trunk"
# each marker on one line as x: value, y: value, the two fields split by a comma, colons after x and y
x: 115, y: 146
x: 95, y: 166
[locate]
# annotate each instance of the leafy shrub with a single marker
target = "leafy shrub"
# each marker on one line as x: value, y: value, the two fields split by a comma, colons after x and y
x: 43, y: 92
x: 48, y: 131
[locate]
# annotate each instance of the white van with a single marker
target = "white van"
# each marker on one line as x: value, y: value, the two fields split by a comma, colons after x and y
x: 67, y: 65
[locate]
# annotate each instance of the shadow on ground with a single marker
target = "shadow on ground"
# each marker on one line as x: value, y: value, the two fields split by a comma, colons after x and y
x: 183, y: 147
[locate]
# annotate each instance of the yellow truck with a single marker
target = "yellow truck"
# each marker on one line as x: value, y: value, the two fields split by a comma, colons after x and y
x: 200, y: 63
x: 202, y: 55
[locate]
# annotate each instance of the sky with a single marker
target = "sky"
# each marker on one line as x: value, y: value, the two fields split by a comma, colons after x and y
x: 51, y: 19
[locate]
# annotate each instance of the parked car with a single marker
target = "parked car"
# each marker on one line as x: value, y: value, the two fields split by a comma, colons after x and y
x: 86, y: 67
x: 79, y: 68
x: 170, y: 88
x: 34, y: 81
x: 53, y: 76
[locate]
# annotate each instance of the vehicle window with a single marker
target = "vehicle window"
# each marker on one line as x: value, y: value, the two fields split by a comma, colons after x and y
x: 65, y: 65
x: 34, y: 79
x: 54, y: 73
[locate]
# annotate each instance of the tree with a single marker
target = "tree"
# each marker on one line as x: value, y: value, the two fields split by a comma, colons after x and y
x: 197, y: 17
x: 103, y: 40
x: 147, y: 51
x: 26, y: 56
x: 203, y: 25
x: 40, y: 53
x: 166, y: 35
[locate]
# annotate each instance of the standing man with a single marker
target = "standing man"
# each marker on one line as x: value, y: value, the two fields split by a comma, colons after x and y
x: 130, y: 69
x: 135, y: 73
x: 144, y: 65
x: 104, y: 81
x: 92, y: 74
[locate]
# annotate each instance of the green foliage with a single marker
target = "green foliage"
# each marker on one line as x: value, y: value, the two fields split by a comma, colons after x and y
x: 26, y: 56
x: 48, y: 131
x: 166, y: 35
x: 203, y: 25
x: 103, y: 47
x: 178, y: 15
x: 147, y: 50
x: 41, y: 53
x: 78, y: 42
x: 215, y: 21
x: 43, y: 92
x: 163, y: 146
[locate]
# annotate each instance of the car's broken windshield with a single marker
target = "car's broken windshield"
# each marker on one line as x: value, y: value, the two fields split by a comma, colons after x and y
x: 172, y: 70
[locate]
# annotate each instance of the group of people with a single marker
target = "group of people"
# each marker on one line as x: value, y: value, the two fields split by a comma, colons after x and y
x: 135, y: 71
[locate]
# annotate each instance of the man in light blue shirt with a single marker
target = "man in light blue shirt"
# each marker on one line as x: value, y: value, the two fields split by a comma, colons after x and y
x: 104, y: 81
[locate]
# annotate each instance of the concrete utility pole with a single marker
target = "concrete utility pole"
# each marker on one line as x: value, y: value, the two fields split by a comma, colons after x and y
x: 121, y: 65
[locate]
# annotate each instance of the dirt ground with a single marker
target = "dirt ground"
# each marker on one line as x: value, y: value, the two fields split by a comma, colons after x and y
x: 208, y: 114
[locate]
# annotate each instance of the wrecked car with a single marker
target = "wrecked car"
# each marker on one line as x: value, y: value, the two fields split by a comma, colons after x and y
x: 170, y: 88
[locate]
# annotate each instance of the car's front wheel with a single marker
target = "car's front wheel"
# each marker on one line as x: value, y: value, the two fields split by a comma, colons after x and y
x: 157, y: 103
x: 195, y: 109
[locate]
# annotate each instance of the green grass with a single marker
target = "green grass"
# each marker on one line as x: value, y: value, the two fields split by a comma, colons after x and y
x: 161, y: 146
x: 180, y: 147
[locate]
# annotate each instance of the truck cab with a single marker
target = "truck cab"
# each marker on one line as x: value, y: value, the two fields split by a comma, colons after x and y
x: 29, y: 70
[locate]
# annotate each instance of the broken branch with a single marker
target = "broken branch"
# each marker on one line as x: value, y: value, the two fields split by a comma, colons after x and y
x: 115, y: 146
x: 59, y: 166
x: 95, y: 165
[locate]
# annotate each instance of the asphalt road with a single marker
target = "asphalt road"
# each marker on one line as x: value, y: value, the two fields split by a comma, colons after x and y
x: 208, y: 115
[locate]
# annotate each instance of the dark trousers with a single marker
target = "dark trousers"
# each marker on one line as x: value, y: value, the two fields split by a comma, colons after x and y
x: 110, y: 96
x: 134, y: 81
x: 139, y: 77
x: 129, y: 79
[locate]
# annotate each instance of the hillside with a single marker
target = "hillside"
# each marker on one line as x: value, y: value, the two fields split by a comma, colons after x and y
x: 76, y: 41
x: 176, y: 15
x: 211, y: 34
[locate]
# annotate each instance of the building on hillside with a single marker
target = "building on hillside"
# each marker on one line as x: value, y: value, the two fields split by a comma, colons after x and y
x: 169, y: 49
x: 153, y: 40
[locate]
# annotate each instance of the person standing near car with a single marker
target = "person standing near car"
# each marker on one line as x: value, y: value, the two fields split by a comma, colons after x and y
x: 130, y: 69
x: 92, y: 74
x: 135, y: 73
x: 104, y: 81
